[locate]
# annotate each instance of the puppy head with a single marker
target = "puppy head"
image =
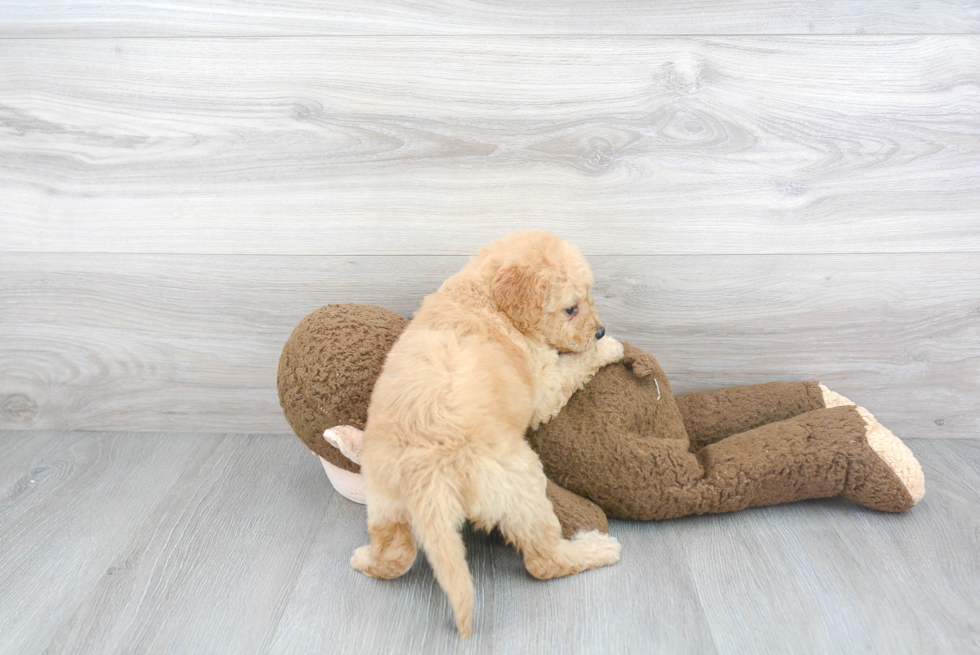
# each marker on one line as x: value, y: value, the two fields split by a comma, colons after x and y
x: 543, y: 284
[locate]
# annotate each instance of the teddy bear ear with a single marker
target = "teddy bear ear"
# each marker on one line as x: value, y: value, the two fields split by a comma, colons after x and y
x: 519, y: 291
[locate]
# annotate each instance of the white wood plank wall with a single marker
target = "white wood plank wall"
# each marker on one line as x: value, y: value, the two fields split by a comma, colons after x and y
x: 767, y: 190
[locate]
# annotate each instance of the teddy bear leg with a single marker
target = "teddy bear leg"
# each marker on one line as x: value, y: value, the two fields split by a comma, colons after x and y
x: 839, y: 451
x: 899, y: 460
x: 710, y: 416
x: 349, y: 484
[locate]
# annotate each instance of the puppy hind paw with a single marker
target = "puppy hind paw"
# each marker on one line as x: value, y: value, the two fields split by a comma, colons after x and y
x: 361, y: 559
x: 596, y: 549
x: 584, y: 551
x: 386, y: 567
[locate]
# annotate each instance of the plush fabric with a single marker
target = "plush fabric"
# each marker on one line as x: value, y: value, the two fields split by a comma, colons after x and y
x: 328, y: 368
x: 623, y: 446
x: 714, y: 415
x: 575, y: 513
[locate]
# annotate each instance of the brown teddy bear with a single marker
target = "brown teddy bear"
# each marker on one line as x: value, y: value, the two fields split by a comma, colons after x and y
x: 623, y: 446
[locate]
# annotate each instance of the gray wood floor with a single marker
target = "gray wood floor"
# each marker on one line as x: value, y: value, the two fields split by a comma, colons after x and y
x: 155, y: 543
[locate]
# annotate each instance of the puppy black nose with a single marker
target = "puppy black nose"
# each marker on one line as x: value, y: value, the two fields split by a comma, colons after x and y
x: 601, y: 332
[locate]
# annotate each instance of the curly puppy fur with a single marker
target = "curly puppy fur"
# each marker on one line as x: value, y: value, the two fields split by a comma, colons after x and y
x: 499, y: 347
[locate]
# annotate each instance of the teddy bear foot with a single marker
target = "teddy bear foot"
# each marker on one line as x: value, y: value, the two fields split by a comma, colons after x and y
x: 904, y: 484
x: 893, y: 481
x: 347, y: 439
x: 834, y: 399
x: 348, y: 484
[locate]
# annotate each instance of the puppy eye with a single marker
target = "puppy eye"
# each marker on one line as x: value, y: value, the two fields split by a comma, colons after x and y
x: 572, y: 311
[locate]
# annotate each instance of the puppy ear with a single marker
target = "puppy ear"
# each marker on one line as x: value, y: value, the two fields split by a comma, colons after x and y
x: 519, y: 291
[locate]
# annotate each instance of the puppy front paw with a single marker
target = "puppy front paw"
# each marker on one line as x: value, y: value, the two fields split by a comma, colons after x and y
x: 610, y: 351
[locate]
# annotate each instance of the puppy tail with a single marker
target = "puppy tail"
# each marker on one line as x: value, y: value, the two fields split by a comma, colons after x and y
x: 437, y: 516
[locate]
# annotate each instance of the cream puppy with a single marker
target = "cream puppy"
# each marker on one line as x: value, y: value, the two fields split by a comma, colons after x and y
x: 501, y: 346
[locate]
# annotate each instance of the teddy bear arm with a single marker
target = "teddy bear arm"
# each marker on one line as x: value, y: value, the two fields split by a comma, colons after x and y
x: 710, y: 416
x: 640, y: 362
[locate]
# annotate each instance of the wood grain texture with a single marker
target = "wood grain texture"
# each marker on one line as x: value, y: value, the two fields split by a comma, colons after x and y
x: 607, y: 610
x: 135, y: 342
x: 66, y: 18
x: 211, y: 568
x: 76, y: 501
x: 16, y: 450
x: 866, y: 573
x: 231, y: 545
x: 415, y: 145
x: 756, y: 206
